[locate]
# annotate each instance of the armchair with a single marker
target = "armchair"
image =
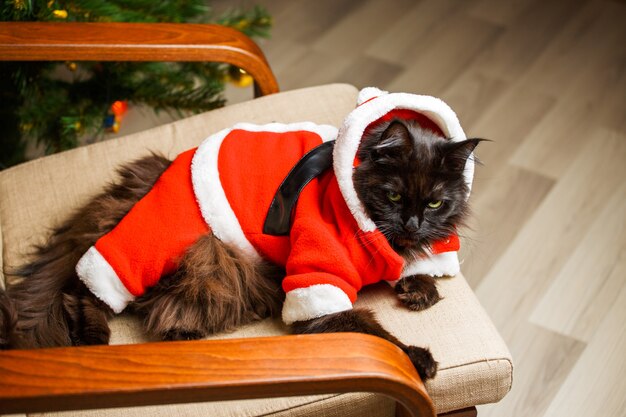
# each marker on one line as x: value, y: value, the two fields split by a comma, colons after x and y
x: 257, y: 362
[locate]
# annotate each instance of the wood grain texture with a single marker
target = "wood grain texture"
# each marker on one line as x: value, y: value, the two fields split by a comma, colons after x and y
x: 473, y: 93
x: 556, y: 141
x: 404, y: 38
x: 524, y: 38
x: 497, y: 11
x: 36, y: 41
x: 498, y: 217
x: 304, y: 21
x: 584, y: 290
x: 431, y: 70
x: 541, y: 250
x: 543, y: 361
x: 595, y: 387
x: 524, y: 271
x: 508, y: 121
x: 579, y: 44
x: 181, y: 372
x: 351, y: 35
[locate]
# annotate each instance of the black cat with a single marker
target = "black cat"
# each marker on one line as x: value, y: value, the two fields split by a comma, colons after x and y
x: 409, y: 179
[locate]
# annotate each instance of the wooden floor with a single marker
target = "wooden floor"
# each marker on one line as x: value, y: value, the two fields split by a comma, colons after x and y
x: 546, y: 81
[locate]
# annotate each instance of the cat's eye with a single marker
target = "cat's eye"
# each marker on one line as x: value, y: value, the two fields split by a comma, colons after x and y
x: 393, y: 196
x: 435, y: 204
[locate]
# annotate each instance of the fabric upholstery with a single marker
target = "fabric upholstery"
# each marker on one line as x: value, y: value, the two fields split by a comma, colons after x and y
x: 475, y: 365
x: 345, y: 405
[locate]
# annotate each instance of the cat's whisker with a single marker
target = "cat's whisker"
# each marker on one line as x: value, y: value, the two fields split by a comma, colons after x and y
x: 372, y: 239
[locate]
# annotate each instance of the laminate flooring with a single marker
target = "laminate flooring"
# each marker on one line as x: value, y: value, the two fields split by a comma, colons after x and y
x: 546, y: 81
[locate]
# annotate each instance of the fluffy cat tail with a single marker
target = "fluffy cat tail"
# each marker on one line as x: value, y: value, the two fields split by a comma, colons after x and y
x: 22, y: 327
x: 46, y: 305
x: 32, y: 312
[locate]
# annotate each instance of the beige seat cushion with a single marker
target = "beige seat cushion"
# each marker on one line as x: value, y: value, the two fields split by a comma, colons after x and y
x: 475, y: 365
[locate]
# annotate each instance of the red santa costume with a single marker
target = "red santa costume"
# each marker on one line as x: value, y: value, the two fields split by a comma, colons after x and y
x: 226, y: 186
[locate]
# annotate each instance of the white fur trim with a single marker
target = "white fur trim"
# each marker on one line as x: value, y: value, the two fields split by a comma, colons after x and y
x: 314, y: 301
x: 102, y: 280
x: 369, y: 93
x: 210, y: 195
x: 354, y: 125
x: 205, y: 177
x: 442, y: 264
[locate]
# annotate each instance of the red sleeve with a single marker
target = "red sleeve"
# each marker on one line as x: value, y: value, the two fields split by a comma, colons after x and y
x: 318, y: 256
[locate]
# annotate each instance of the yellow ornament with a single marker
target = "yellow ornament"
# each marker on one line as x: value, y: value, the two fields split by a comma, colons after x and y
x: 60, y: 14
x: 71, y: 66
x: 239, y: 77
x: 242, y: 24
x: 77, y: 126
x: 26, y: 127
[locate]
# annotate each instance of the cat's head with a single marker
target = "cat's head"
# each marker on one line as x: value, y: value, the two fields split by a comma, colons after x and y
x: 411, y: 183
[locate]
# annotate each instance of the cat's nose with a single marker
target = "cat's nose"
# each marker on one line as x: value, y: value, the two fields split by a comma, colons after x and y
x: 412, y: 225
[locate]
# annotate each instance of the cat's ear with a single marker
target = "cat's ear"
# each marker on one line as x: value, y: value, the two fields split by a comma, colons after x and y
x: 456, y: 153
x: 395, y: 139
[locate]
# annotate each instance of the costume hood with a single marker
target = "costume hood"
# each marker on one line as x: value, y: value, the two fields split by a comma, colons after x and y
x: 375, y: 106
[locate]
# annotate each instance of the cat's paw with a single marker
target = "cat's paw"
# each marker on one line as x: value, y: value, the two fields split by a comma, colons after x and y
x: 417, y: 292
x: 92, y: 335
x: 179, y: 334
x: 423, y: 361
x: 86, y: 319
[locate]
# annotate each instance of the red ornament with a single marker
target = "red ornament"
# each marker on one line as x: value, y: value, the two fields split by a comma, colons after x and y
x: 119, y: 108
x: 115, y: 115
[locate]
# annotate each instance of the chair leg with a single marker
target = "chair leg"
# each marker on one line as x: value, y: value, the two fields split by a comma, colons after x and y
x: 466, y: 412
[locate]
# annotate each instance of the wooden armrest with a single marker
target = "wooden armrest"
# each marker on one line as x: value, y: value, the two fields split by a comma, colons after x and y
x: 181, y: 372
x: 42, y: 41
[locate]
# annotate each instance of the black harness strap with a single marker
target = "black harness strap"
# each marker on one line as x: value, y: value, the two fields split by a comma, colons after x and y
x: 315, y: 162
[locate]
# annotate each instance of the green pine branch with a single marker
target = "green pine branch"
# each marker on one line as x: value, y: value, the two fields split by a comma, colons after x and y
x: 55, y: 112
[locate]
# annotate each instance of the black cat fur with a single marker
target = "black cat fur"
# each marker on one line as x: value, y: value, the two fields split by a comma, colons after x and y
x: 47, y: 305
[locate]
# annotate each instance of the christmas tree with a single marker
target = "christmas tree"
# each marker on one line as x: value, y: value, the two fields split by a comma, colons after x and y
x: 55, y: 104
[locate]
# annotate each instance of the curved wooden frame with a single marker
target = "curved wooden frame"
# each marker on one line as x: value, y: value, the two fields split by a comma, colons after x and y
x: 37, y: 41
x: 178, y: 372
